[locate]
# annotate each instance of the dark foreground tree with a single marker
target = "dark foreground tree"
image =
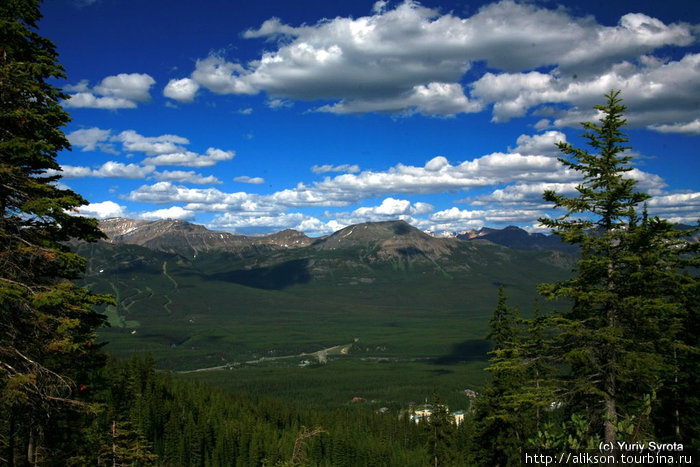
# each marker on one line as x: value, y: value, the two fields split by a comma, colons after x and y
x: 440, y: 431
x: 499, y: 422
x: 47, y: 324
x: 632, y: 294
x: 622, y: 363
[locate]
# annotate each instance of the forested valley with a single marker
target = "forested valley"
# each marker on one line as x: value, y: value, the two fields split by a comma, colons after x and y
x: 147, y: 417
x: 618, y: 364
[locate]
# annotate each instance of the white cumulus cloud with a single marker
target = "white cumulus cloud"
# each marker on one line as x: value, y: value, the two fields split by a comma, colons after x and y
x: 182, y: 90
x: 392, y: 208
x: 250, y: 180
x: 321, y: 169
x: 659, y: 95
x: 150, y: 145
x: 510, y: 192
x: 90, y: 139
x: 689, y: 128
x: 102, y: 210
x: 188, y: 176
x: 412, y: 59
x: 676, y: 207
x: 89, y: 100
x: 540, y: 144
x: 122, y: 91
x: 222, y: 77
x: 211, y: 157
x: 109, y: 169
x: 174, y: 212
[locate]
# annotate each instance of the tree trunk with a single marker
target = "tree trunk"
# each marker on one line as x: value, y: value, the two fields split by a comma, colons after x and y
x: 537, y: 407
x: 114, y: 443
x: 31, y: 448
x: 610, y: 411
x: 610, y: 400
x: 610, y: 418
x: 11, y: 441
x: 675, y: 394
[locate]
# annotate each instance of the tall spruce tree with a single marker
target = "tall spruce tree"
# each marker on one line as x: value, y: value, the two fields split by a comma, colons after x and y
x: 440, y: 429
x: 662, y: 292
x: 539, y: 391
x: 500, y: 424
x: 47, y: 324
x: 629, y: 294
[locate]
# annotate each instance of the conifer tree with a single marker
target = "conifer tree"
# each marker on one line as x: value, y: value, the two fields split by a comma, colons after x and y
x: 47, y: 324
x: 628, y: 291
x: 440, y: 430
x: 500, y: 423
x: 503, y: 324
x: 662, y: 292
x: 539, y: 390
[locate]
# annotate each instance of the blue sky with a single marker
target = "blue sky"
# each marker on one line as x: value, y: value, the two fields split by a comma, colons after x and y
x: 258, y: 116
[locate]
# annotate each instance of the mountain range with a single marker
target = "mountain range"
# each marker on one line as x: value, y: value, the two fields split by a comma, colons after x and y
x: 194, y: 297
x: 394, y: 238
x: 182, y: 237
x: 372, y: 302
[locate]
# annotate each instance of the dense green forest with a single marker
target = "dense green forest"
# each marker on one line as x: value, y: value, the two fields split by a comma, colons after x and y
x: 147, y: 416
x: 619, y: 364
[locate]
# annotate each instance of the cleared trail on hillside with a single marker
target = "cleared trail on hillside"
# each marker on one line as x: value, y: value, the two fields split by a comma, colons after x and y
x: 175, y: 285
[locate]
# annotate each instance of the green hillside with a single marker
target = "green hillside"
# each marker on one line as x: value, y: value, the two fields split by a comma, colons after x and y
x: 413, y: 312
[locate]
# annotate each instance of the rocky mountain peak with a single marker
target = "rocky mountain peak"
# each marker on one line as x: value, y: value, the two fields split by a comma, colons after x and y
x: 387, y: 239
x: 120, y: 226
x: 288, y: 238
x: 516, y: 237
x: 187, y: 239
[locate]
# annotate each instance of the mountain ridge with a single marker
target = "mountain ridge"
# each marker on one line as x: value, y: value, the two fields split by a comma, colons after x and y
x: 188, y: 239
x: 387, y: 240
x: 390, y: 238
x: 520, y: 239
x: 197, y: 297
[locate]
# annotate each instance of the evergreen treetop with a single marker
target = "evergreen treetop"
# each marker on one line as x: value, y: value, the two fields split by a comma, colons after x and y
x: 47, y: 323
x: 606, y: 197
x: 620, y: 363
x: 628, y: 293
